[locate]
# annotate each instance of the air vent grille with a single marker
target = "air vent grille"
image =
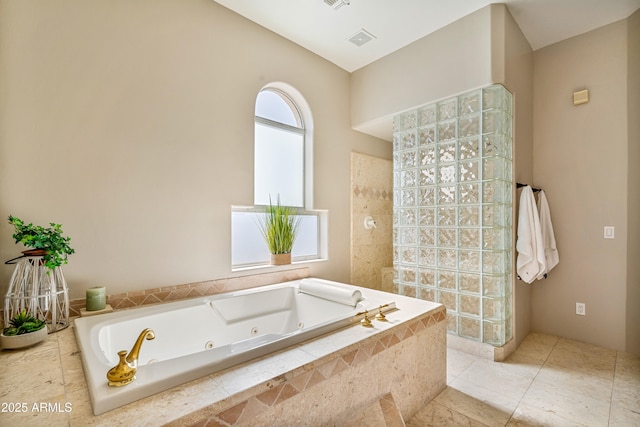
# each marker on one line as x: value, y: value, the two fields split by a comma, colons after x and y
x: 337, y: 4
x: 361, y: 37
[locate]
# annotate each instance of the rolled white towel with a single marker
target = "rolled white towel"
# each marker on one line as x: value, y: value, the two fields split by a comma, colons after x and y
x: 330, y: 291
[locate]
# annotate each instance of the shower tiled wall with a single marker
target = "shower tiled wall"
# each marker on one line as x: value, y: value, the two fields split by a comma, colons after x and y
x: 371, y: 194
x: 452, y: 210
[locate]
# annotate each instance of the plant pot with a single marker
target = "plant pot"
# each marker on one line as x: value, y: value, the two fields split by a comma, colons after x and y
x: 281, y: 259
x: 35, y: 252
x: 24, y: 340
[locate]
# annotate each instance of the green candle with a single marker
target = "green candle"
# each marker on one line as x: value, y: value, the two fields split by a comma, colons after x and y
x: 96, y: 298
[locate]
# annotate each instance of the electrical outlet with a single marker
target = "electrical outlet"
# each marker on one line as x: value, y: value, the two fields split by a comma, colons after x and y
x: 581, y: 309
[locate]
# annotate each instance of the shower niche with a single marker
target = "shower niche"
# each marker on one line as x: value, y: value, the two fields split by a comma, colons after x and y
x: 452, y: 210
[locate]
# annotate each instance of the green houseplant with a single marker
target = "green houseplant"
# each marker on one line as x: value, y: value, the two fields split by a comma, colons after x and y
x: 50, y: 241
x: 23, y: 323
x: 279, y: 228
x: 24, y: 330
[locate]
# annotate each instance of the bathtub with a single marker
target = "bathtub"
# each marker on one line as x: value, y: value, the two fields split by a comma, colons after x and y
x: 201, y: 336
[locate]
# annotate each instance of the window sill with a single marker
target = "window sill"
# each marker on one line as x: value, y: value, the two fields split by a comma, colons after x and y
x: 277, y: 267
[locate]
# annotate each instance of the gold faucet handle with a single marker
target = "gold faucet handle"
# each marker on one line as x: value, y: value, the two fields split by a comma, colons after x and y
x: 122, y: 373
x: 380, y: 316
x: 366, y: 322
x: 125, y: 371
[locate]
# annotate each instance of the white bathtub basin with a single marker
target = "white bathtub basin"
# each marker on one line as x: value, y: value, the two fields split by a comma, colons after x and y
x: 201, y: 336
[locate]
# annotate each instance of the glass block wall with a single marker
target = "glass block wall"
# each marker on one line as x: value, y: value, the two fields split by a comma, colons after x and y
x: 452, y: 210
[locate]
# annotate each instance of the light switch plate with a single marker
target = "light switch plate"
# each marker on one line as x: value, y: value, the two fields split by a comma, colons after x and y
x: 581, y: 97
x: 609, y: 231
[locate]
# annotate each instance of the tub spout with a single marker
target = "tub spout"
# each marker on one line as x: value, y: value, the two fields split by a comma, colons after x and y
x: 132, y: 357
x: 125, y: 371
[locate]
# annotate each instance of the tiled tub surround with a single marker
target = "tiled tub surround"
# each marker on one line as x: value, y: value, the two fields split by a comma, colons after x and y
x: 452, y: 210
x: 192, y: 290
x: 204, y: 335
x: 327, y: 380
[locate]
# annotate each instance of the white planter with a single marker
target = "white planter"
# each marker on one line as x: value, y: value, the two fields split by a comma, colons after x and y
x: 24, y: 340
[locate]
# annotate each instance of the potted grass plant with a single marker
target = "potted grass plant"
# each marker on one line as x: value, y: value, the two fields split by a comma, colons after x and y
x: 279, y: 228
x: 24, y: 330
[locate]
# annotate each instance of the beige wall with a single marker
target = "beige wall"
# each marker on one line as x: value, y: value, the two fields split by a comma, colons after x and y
x: 131, y: 124
x: 577, y: 154
x: 450, y: 61
x: 580, y: 160
x: 633, y: 188
x: 515, y: 68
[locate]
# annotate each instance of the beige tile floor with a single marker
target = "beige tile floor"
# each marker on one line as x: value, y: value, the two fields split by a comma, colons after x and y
x: 547, y: 381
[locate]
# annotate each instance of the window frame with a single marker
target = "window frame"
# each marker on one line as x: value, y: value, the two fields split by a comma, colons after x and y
x: 322, y: 233
x: 301, y: 109
x: 287, y: 128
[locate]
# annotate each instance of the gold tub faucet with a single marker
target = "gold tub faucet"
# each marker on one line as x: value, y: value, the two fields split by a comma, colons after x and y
x: 366, y: 322
x: 125, y: 371
x: 380, y: 316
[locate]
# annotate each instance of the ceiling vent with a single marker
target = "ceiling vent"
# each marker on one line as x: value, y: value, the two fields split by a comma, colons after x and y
x: 361, y: 37
x: 337, y: 4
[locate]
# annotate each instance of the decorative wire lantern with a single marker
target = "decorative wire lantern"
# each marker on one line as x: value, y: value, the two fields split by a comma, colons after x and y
x: 39, y: 290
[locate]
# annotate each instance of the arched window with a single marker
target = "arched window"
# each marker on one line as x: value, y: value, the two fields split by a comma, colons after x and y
x: 279, y: 150
x: 283, y: 169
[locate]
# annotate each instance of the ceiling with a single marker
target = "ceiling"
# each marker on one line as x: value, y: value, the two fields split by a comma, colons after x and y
x: 326, y: 30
